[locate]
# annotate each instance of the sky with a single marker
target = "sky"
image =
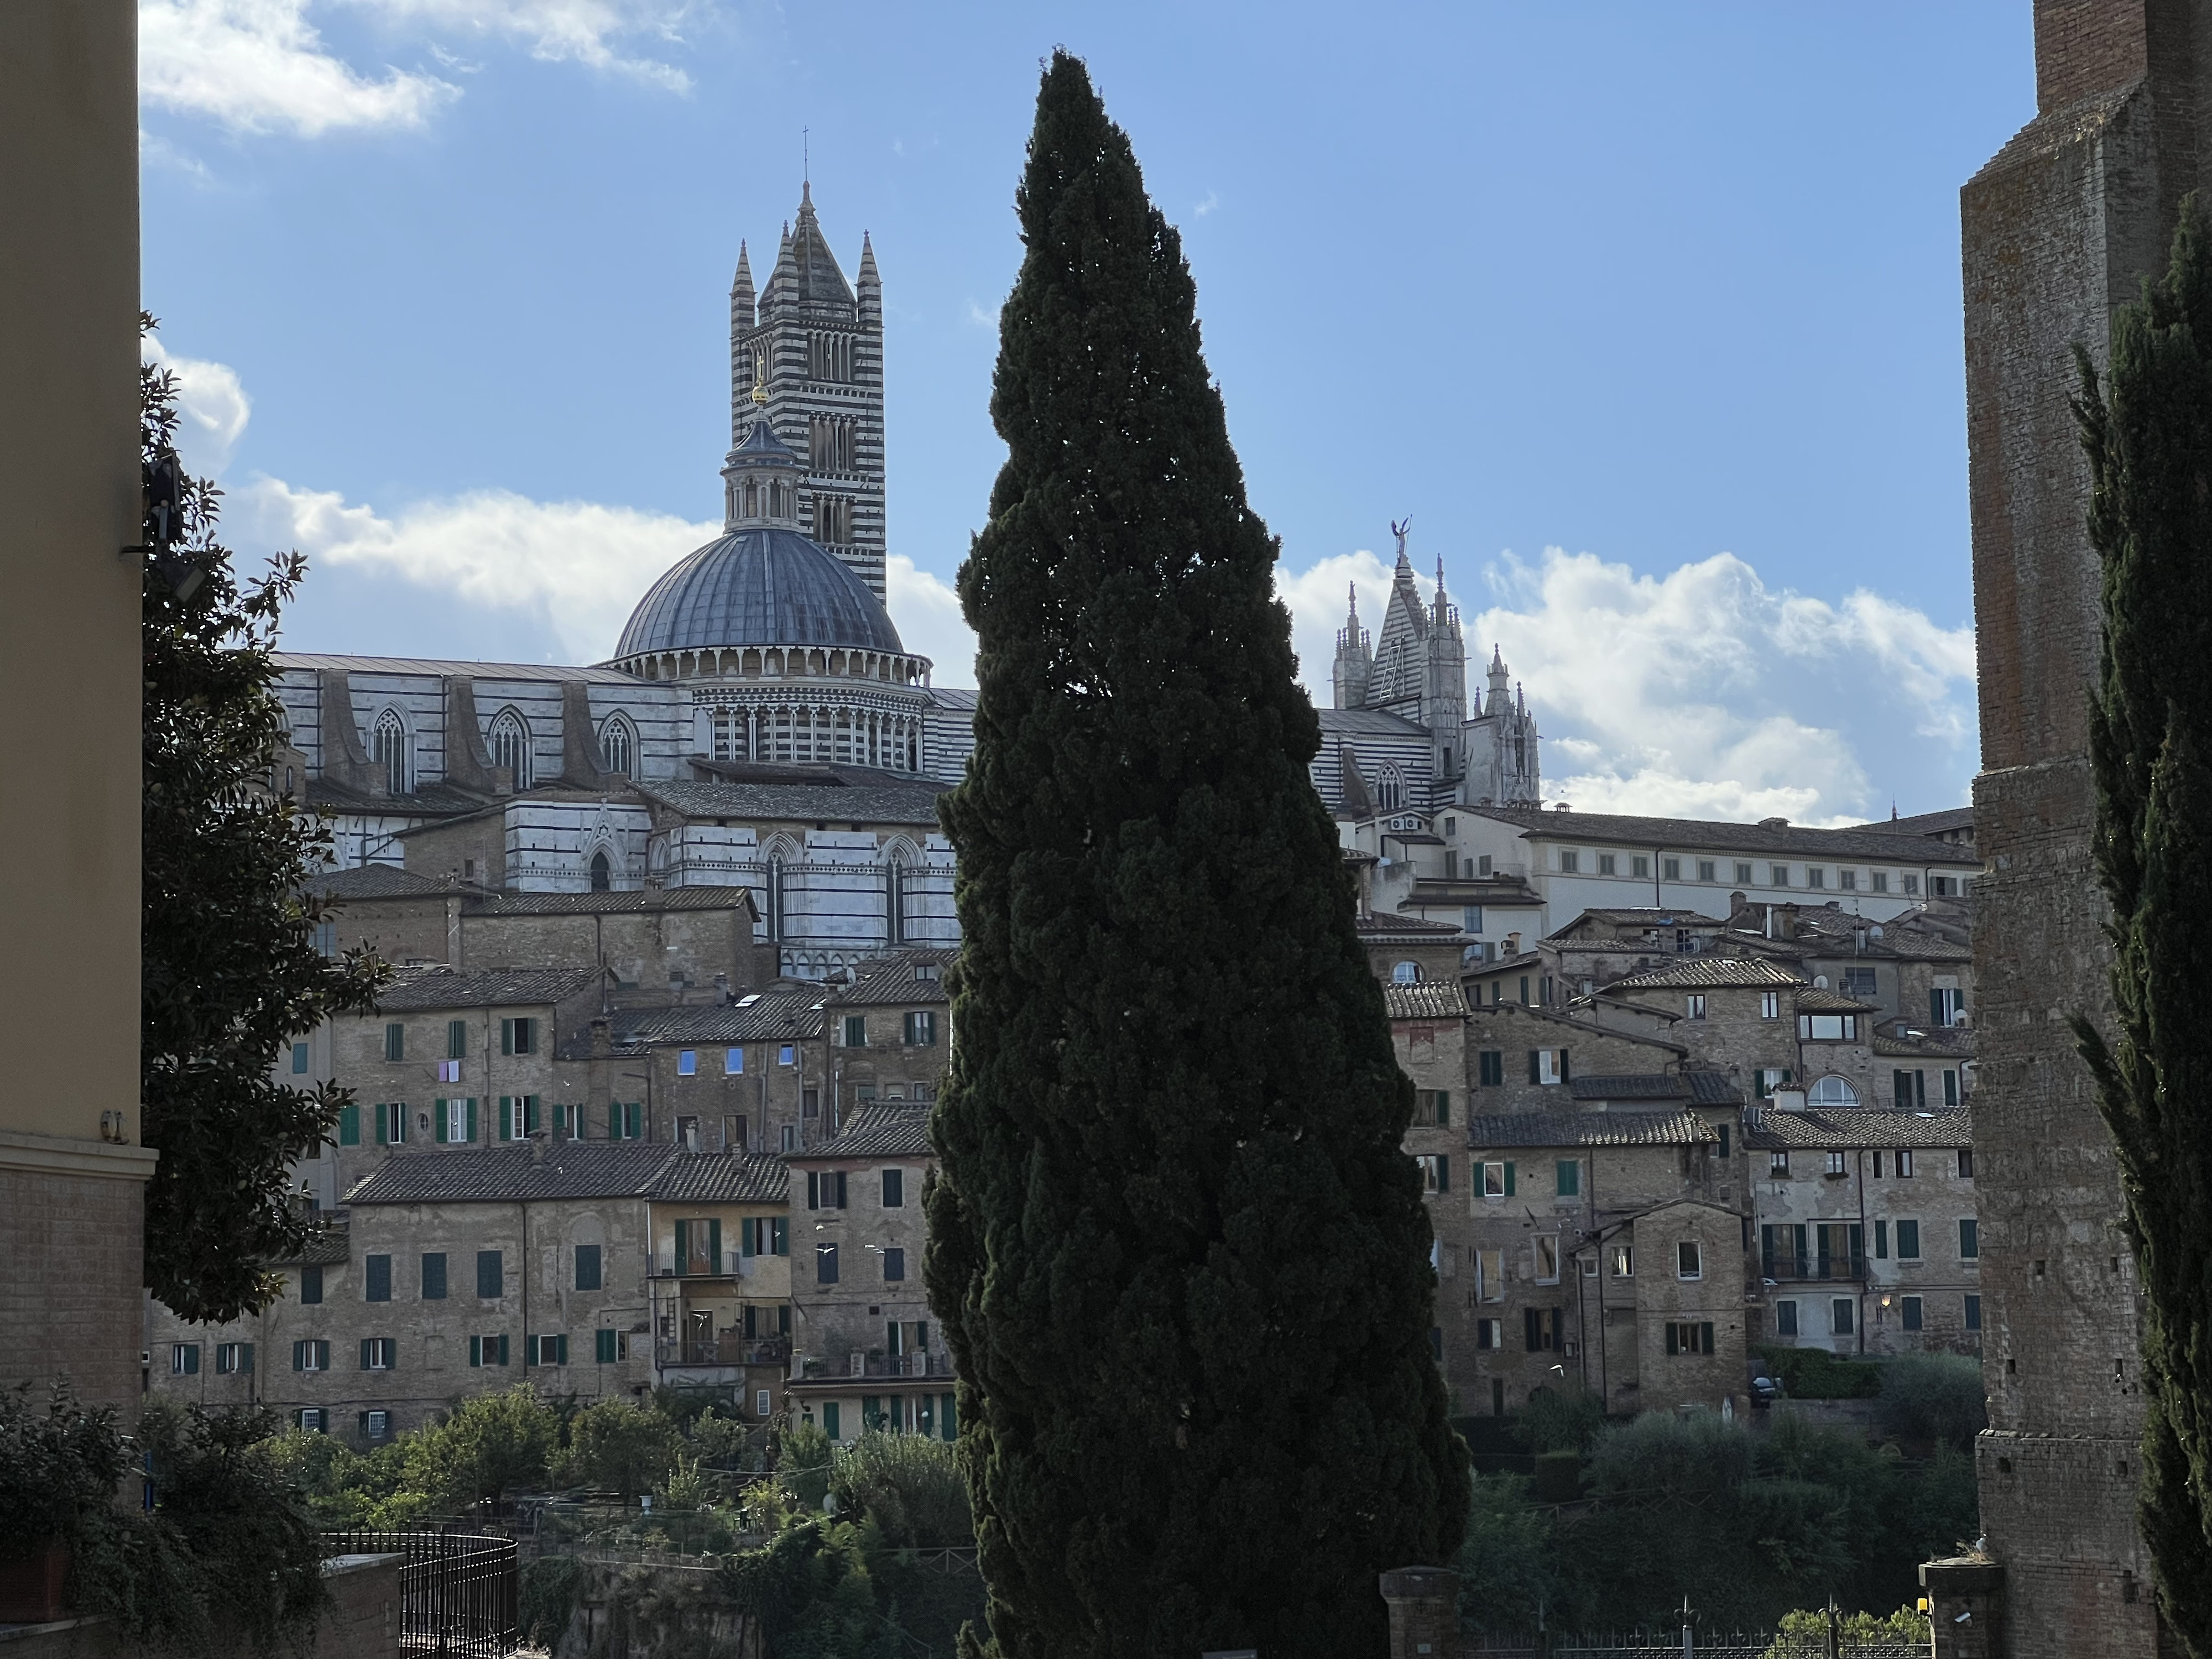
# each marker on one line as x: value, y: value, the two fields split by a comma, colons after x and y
x: 1648, y: 317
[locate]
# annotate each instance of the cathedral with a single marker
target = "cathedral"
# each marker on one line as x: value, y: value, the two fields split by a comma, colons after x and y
x: 1400, y: 739
x: 760, y: 724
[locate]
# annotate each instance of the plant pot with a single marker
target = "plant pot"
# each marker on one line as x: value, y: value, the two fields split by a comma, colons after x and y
x: 31, y: 1589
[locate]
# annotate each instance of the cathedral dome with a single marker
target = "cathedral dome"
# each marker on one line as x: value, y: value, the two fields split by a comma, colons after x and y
x: 760, y: 585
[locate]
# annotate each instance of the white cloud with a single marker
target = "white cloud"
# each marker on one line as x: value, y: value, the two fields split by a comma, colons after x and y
x: 212, y: 407
x: 578, y: 566
x: 1213, y: 201
x: 928, y: 612
x: 262, y: 66
x: 1701, y: 693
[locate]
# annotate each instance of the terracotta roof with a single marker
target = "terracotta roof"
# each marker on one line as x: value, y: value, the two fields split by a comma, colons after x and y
x: 724, y: 1178
x: 897, y: 978
x: 893, y: 1131
x: 1428, y: 998
x: 1394, y: 925
x: 1907, y: 1039
x: 374, y: 881
x: 1584, y: 1027
x: 909, y: 803
x: 762, y: 1016
x: 1778, y: 839
x: 570, y: 1169
x: 1712, y: 1089
x: 414, y: 989
x: 1851, y: 1128
x: 1695, y: 973
x: 1641, y: 917
x: 1639, y: 1085
x: 1590, y: 1129
x: 1816, y: 1000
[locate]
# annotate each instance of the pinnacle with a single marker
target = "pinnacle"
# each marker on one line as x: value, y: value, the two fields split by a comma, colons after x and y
x: 745, y: 276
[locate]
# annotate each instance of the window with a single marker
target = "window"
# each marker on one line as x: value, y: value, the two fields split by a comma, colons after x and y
x: 434, y: 1276
x: 1390, y: 790
x: 1689, y: 1260
x: 1770, y: 1005
x: 856, y: 1031
x: 603, y: 1347
x: 893, y: 1188
x: 1973, y: 1313
x: 1433, y: 1108
x: 1778, y: 1165
x: 311, y: 1419
x: 687, y: 1062
x: 456, y: 1122
x: 376, y: 1279
x: 894, y: 1265
x: 1743, y: 872
x: 1839, y: 1316
x: 234, y: 1358
x: 1882, y: 1241
x: 1827, y: 1027
x: 1670, y: 869
x: 1547, y: 1066
x: 830, y: 1424
x: 1623, y: 1257
x: 825, y: 1189
x: 1945, y: 1005
x: 618, y: 746
x: 1489, y: 1334
x: 1548, y: 1259
x: 1785, y: 1319
x: 603, y: 873
x: 1498, y: 1180
x: 1881, y: 879
x: 1815, y: 876
x: 1570, y: 863
x: 311, y: 1354
x: 1970, y: 1243
x: 825, y: 1264
x: 395, y: 1042
x: 510, y: 746
x: 1640, y: 867
x: 389, y: 749
x: 1908, y: 1241
x: 1951, y: 1090
x: 625, y: 1120
x: 733, y: 1062
x: 1482, y: 865
x: 311, y: 1286
x: 548, y: 1350
x: 1839, y: 1163
x: 299, y: 1059
x: 183, y: 1360
x: 1778, y: 875
x: 1690, y: 1337
x: 518, y: 1036
x: 1908, y: 1090
x: 1488, y: 1275
x: 920, y: 1030
x: 1696, y: 1005
x: 1435, y: 1171
x: 1905, y: 1164
x: 1605, y: 864
x: 1770, y: 1079
x: 1540, y: 1329
x: 457, y: 1039
x: 1723, y: 1129
x: 1908, y: 1312
x: 789, y: 1137
x: 376, y: 1424
x: 1859, y: 982
x: 1705, y: 870
x: 1911, y: 883
x: 1470, y: 918
x: 1965, y: 1163
x: 784, y: 1054
x: 1569, y: 1177
x: 487, y: 1351
x: 588, y: 1267
x: 491, y: 1276
x: 1490, y: 1063
x: 378, y: 1354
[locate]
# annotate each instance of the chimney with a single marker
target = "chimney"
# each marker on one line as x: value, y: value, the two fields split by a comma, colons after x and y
x: 537, y: 1142
x: 1513, y: 944
x: 603, y: 1044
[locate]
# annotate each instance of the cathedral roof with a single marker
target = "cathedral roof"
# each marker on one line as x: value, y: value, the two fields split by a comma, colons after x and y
x: 761, y: 585
x: 805, y: 269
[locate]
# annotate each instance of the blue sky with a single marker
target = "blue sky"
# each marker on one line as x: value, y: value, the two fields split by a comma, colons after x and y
x: 1648, y: 316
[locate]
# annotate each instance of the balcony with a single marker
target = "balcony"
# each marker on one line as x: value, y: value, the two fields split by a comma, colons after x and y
x: 874, y: 1362
x: 1784, y: 1269
x: 729, y: 1349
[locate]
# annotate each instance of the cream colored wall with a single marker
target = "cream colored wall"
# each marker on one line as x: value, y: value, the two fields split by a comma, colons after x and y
x: 69, y: 600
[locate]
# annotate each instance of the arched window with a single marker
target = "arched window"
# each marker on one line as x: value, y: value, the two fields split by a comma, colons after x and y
x: 389, y: 748
x: 617, y: 747
x: 1405, y: 973
x: 1390, y: 790
x: 603, y: 873
x: 510, y: 745
x: 1832, y: 1090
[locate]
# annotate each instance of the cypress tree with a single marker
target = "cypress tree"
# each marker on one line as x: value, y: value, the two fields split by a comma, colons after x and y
x: 2148, y: 435
x: 1180, y: 1257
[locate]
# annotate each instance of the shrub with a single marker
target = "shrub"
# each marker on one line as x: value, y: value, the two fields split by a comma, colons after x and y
x: 1816, y: 1374
x: 629, y: 1448
x: 804, y: 1453
x: 57, y: 1465
x: 485, y: 1448
x: 551, y: 1587
x: 1934, y: 1396
x: 1806, y: 1625
x: 909, y: 1486
x: 1559, y: 1422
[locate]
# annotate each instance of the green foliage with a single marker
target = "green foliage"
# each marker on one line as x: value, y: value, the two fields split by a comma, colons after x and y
x: 2147, y: 433
x: 1559, y: 1421
x: 59, y: 1463
x: 630, y: 1449
x: 910, y: 1486
x: 546, y: 1599
x: 1816, y: 1374
x: 1170, y: 1147
x: 1748, y: 1526
x: 486, y: 1446
x: 230, y: 971
x: 1935, y: 1397
x: 1801, y: 1627
x: 806, y: 1453
x: 723, y: 1442
x: 685, y: 1488
x: 810, y: 1591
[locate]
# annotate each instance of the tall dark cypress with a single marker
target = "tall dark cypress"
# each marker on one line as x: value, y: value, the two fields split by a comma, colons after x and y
x: 2149, y: 434
x: 1181, y: 1259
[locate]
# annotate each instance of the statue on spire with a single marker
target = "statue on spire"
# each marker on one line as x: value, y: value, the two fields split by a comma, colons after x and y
x: 1398, y: 528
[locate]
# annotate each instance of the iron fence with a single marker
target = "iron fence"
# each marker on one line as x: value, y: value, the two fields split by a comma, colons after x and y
x: 1668, y: 1644
x: 457, y: 1589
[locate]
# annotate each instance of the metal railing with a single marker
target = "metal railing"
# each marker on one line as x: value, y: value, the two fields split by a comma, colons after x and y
x: 722, y: 1350
x: 1838, y: 1268
x: 457, y: 1591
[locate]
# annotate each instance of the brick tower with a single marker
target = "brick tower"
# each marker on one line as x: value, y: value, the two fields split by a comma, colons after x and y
x: 2057, y: 229
x: 809, y: 353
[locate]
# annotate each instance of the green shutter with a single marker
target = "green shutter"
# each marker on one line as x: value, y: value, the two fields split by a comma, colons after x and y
x: 350, y: 1126
x: 502, y: 1349
x: 748, y: 1237
x: 438, y: 1120
x: 604, y: 1348
x: 1509, y: 1180
x: 683, y: 1248
x: 1673, y: 1338
x: 1565, y: 1074
x: 382, y: 1123
x: 948, y: 1419
x: 1536, y: 1066
x: 507, y: 1037
x: 1444, y: 1172
x: 246, y: 1357
x: 634, y: 1121
x: 714, y: 1245
x: 365, y: 1342
x: 472, y: 1121
x: 1704, y: 1336
x: 530, y: 1115
x: 1570, y: 1178
x: 475, y: 1351
x: 782, y: 1228
x: 506, y: 1117
x: 829, y: 1424
x: 1443, y: 1108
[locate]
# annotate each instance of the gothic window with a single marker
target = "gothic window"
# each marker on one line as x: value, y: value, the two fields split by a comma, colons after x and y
x: 602, y: 873
x: 1390, y: 790
x: 510, y: 746
x: 617, y: 745
x: 391, y: 749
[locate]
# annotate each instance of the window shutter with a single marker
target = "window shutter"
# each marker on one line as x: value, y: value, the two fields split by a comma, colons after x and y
x: 246, y: 1357
x: 782, y: 1226
x: 507, y: 1037
x: 1444, y: 1172
x: 813, y: 1189
x: 1443, y: 1108
x: 365, y: 1355
x: 714, y: 1245
x: 1704, y: 1336
x: 1882, y: 1241
x: 475, y: 1351
x: 683, y: 1247
x: 1536, y: 1066
x: 1797, y: 1238
x: 382, y: 1123
x: 1858, y: 1244
x: 471, y: 1124
x: 502, y: 1349
x: 1673, y: 1338
x: 840, y: 1189
x: 1509, y: 1180
x: 632, y: 1121
x: 1565, y: 1076
x: 506, y: 1117
x: 1534, y: 1337
x: 350, y: 1126
x: 440, y: 1120
x: 561, y: 1347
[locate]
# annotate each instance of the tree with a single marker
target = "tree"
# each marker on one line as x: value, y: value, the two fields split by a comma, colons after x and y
x: 488, y: 1446
x: 1181, y: 1257
x: 629, y: 1448
x: 229, y: 972
x: 2147, y: 433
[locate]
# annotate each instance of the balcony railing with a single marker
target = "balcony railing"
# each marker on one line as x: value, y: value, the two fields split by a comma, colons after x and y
x: 1784, y: 1268
x: 457, y: 1591
x: 827, y: 1368
x: 727, y: 1349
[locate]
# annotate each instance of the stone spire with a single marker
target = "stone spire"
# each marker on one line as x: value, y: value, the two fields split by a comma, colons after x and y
x: 1498, y: 701
x: 741, y: 291
x: 870, y: 284
x: 1355, y: 664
